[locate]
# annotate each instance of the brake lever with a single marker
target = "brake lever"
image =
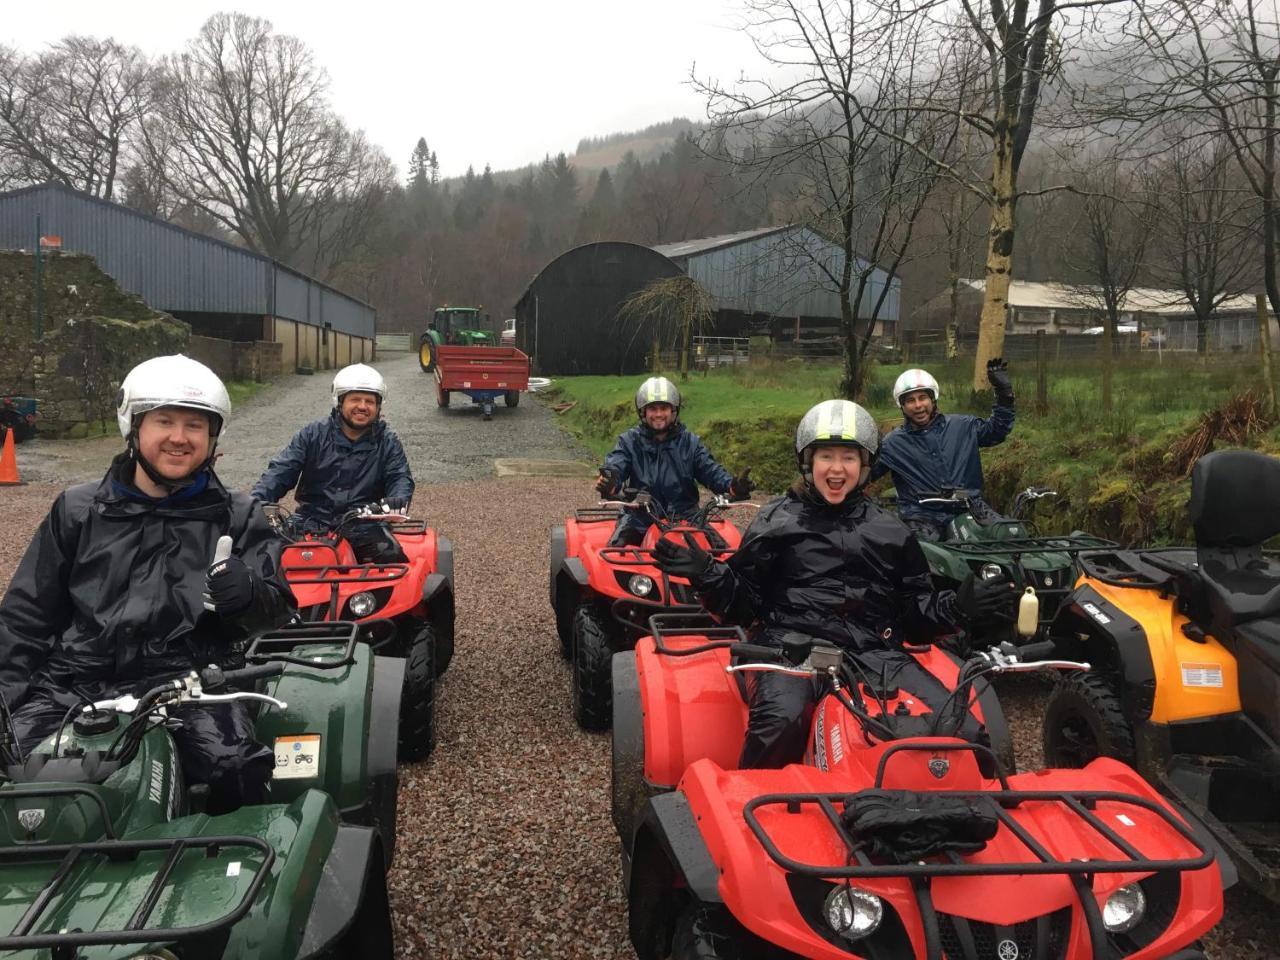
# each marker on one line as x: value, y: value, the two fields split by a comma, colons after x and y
x: 199, y: 696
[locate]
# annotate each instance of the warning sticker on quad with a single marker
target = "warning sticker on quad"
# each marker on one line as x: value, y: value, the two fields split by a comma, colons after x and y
x: 1202, y: 675
x: 297, y: 756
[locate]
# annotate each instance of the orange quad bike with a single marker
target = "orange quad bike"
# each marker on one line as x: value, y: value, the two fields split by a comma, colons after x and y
x: 894, y: 838
x: 603, y: 595
x: 404, y: 608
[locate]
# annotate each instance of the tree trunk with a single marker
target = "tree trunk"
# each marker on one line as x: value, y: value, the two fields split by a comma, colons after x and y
x: 995, y: 296
x: 1108, y: 359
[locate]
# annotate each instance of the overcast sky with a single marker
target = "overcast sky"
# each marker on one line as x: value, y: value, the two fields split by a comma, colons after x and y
x: 503, y: 82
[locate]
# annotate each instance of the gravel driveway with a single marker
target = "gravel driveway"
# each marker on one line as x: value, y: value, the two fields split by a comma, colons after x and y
x: 506, y: 848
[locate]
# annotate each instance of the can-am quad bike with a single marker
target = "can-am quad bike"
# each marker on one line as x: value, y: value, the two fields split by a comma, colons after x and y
x: 1186, y: 648
x: 406, y: 609
x: 603, y: 595
x: 894, y: 839
x: 983, y: 543
x: 105, y: 854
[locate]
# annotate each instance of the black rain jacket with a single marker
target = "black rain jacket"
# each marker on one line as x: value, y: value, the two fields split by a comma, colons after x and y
x: 333, y: 474
x: 670, y: 469
x: 851, y: 574
x: 110, y: 590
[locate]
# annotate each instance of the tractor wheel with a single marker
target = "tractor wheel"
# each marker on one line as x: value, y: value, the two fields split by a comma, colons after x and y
x: 592, y: 682
x: 698, y: 936
x: 1083, y: 720
x: 511, y: 398
x: 442, y: 396
x: 418, y: 696
x: 427, y: 355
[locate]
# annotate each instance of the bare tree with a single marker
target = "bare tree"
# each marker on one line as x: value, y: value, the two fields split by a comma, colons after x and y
x: 859, y: 183
x: 70, y: 113
x: 245, y: 133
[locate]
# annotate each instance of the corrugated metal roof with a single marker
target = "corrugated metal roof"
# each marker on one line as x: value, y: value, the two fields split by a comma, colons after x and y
x: 687, y: 248
x: 171, y: 267
x: 1025, y: 294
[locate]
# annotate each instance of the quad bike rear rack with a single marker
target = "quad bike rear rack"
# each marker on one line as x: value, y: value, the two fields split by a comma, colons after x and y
x: 337, y: 574
x: 1078, y: 803
x: 24, y: 936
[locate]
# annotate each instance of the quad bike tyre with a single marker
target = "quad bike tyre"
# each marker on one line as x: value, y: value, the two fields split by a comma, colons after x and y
x: 511, y: 398
x: 427, y: 355
x: 1084, y: 720
x: 698, y: 936
x: 592, y: 691
x: 417, y: 701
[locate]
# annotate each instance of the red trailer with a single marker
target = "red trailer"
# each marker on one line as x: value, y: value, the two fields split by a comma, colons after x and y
x: 482, y: 373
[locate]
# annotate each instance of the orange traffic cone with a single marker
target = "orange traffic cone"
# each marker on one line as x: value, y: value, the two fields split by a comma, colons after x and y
x: 9, y: 462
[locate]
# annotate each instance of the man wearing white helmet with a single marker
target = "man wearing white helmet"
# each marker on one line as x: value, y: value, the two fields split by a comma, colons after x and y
x: 659, y: 455
x: 933, y: 451
x: 348, y: 459
x: 824, y: 561
x: 118, y: 588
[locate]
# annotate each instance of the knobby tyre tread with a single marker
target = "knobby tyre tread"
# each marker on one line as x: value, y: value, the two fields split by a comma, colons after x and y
x: 417, y: 698
x: 1083, y: 720
x: 592, y: 671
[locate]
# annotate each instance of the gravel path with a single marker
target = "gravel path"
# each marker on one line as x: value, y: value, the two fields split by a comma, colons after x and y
x: 506, y: 849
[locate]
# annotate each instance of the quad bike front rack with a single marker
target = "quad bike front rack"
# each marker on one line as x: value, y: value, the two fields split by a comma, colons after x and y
x: 25, y: 936
x: 597, y: 514
x: 337, y: 574
x: 687, y: 623
x: 1076, y: 803
x: 278, y: 646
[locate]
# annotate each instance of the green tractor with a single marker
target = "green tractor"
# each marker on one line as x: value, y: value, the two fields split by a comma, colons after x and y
x: 456, y: 326
x: 105, y: 855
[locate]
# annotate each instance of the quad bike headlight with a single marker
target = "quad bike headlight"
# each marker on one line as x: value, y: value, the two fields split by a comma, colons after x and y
x: 1124, y: 909
x: 991, y: 571
x: 362, y: 604
x: 852, y: 913
x: 640, y: 585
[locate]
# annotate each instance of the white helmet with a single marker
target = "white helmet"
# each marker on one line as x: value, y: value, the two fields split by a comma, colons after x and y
x: 915, y: 380
x: 836, y: 423
x: 358, y: 376
x: 175, y: 381
x: 657, y: 390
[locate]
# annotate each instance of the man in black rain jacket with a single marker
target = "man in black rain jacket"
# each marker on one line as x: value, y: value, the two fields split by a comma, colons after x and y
x: 348, y: 459
x: 118, y: 591
x: 661, y: 456
x: 825, y: 562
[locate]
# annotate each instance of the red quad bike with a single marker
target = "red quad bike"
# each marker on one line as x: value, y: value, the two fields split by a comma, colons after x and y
x: 603, y: 596
x: 857, y: 851
x: 404, y: 609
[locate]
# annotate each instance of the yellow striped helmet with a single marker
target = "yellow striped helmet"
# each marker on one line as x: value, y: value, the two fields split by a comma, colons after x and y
x: 836, y: 423
x: 657, y: 390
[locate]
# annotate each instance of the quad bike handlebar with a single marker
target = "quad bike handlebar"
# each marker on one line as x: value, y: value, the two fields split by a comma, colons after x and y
x: 192, y: 689
x: 643, y: 500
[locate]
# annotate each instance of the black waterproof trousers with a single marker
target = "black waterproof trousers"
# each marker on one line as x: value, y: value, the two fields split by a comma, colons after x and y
x: 780, y: 706
x: 216, y: 744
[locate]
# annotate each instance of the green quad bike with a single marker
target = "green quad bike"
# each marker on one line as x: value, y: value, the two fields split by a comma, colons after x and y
x: 457, y: 326
x: 105, y: 855
x: 983, y: 543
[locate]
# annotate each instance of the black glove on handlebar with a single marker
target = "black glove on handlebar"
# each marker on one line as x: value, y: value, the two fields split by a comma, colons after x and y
x: 740, y: 487
x: 998, y: 377
x: 689, y: 561
x: 228, y: 587
x: 398, y: 504
x: 978, y: 599
x: 607, y: 482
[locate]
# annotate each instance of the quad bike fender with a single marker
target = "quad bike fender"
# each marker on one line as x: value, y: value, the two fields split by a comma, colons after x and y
x: 354, y: 865
x: 558, y: 552
x: 443, y: 575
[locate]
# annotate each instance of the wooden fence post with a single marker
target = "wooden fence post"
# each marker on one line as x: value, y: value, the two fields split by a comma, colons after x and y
x: 1042, y: 375
x: 1264, y: 341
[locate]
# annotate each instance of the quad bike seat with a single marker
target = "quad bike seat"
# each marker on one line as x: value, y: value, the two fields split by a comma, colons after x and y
x: 1234, y: 509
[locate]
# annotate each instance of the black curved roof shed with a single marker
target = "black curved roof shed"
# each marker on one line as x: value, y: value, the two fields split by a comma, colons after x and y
x: 567, y: 319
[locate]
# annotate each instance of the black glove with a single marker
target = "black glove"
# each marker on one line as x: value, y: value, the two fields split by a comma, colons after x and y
x: 978, y: 599
x: 607, y: 482
x: 998, y: 376
x: 228, y: 587
x: 398, y: 504
x: 689, y: 560
x: 740, y: 487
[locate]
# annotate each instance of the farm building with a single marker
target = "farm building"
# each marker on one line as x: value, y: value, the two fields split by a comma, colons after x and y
x: 231, y: 297
x: 773, y: 280
x: 1077, y: 309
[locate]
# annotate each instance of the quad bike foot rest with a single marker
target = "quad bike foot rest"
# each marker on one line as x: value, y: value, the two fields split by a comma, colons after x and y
x: 24, y: 936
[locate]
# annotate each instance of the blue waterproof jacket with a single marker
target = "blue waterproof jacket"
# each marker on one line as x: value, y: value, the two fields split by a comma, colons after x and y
x: 669, y: 469
x: 943, y: 454
x: 333, y: 473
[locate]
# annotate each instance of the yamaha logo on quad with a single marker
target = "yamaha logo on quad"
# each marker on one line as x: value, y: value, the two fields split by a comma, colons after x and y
x: 1007, y: 950
x: 31, y: 819
x: 940, y: 767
